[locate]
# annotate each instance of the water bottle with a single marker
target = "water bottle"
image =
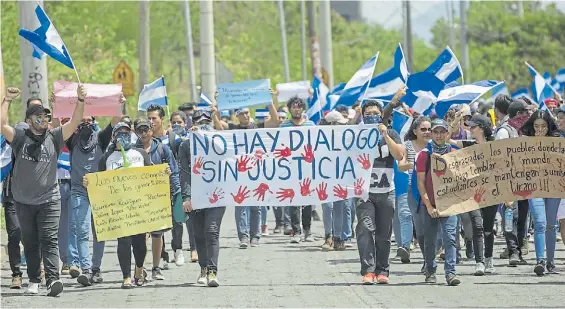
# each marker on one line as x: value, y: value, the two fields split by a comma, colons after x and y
x: 508, y: 219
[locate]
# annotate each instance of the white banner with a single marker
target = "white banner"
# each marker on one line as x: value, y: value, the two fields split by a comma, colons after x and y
x: 300, y: 89
x: 281, y: 167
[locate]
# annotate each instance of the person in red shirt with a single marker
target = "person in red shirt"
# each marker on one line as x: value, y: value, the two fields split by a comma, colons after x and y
x: 430, y: 215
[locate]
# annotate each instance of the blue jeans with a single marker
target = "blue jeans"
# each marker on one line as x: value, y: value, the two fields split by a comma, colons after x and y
x: 402, y: 222
x: 337, y: 219
x: 551, y: 209
x: 79, y: 231
x: 264, y: 211
x: 417, y: 219
x: 537, y: 211
x: 248, y: 221
x: 63, y: 235
x: 97, y: 249
x: 282, y: 216
x: 448, y: 226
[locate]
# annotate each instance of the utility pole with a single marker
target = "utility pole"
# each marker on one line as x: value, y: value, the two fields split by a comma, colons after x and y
x: 303, y: 37
x: 34, y: 71
x: 283, y: 40
x: 451, y: 20
x: 144, y: 51
x: 190, y: 52
x: 520, y: 6
x: 404, y: 26
x: 409, y: 45
x: 207, y: 50
x: 314, y: 43
x: 326, y: 40
x: 463, y: 39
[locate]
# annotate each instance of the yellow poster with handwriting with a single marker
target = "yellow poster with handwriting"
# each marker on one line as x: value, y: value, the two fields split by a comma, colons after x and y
x: 130, y: 201
x: 498, y: 172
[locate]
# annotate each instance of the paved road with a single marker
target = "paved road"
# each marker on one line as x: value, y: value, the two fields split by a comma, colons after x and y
x: 278, y: 274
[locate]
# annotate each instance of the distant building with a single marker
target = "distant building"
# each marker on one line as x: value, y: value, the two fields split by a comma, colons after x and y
x: 351, y: 10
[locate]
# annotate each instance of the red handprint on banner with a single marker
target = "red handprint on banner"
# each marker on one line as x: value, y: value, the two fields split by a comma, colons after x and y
x: 242, y: 164
x: 364, y: 160
x: 217, y: 195
x: 321, y: 190
x: 259, y: 154
x: 340, y: 192
x: 242, y: 194
x: 358, y: 187
x: 260, y: 191
x: 308, y: 154
x: 284, y: 194
x: 283, y: 152
x: 197, y: 165
x: 305, y: 187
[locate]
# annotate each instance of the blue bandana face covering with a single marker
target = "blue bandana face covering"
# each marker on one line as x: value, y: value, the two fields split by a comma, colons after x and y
x: 179, y: 129
x: 124, y: 139
x: 372, y: 119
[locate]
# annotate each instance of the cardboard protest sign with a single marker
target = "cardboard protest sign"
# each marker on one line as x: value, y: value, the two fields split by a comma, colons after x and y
x: 101, y: 100
x: 282, y: 166
x: 130, y: 201
x: 498, y: 172
x: 244, y: 94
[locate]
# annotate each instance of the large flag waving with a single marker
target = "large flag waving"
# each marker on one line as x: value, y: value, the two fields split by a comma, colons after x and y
x: 46, y: 40
x: 319, y: 102
x: 446, y: 67
x: 154, y: 93
x: 385, y: 85
x: 357, y: 86
x: 463, y: 94
x: 541, y: 90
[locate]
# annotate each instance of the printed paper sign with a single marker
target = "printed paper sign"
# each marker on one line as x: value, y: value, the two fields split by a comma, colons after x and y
x: 498, y: 172
x: 101, y: 100
x: 281, y: 167
x: 130, y: 201
x: 288, y: 90
x: 244, y: 94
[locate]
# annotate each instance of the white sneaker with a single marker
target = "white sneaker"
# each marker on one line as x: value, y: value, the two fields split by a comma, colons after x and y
x: 164, y: 264
x: 179, y: 257
x: 203, y: 277
x: 489, y: 266
x: 32, y: 288
x: 479, y: 269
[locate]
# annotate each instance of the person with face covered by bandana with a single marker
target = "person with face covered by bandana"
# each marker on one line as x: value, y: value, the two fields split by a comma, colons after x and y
x: 122, y: 154
x: 36, y: 195
x: 86, y: 147
x: 206, y: 222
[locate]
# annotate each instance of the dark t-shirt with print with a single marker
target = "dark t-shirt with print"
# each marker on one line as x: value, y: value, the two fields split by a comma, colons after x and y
x: 382, y: 175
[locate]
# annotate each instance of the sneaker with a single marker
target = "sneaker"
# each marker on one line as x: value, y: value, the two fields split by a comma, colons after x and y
x: 514, y: 260
x: 308, y: 237
x: 348, y: 243
x: 16, y: 282
x: 551, y: 268
x: 295, y: 239
x: 84, y: 279
x: 505, y: 254
x: 277, y: 229
x: 96, y: 277
x: 539, y: 269
x: 264, y: 230
x: 368, y: 279
x: 32, y: 288
x: 203, y: 276
x: 489, y: 266
x: 193, y: 256
x: 164, y: 264
x: 212, y: 278
x: 315, y: 216
x: 287, y: 231
x: 254, y: 242
x: 479, y: 269
x: 179, y: 257
x: 127, y: 283
x: 244, y: 243
x: 431, y: 278
x: 404, y: 255
x: 156, y: 274
x: 74, y: 271
x: 452, y: 280
x: 328, y: 244
x: 55, y: 288
x: 382, y: 279
x: 65, y: 270
x: 339, y: 245
x: 521, y: 261
x: 525, y: 247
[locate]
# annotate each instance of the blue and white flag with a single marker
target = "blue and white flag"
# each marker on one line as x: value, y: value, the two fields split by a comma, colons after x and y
x: 547, y: 77
x: 559, y: 87
x: 541, y: 90
x: 319, y: 102
x: 357, y: 86
x: 5, y: 158
x: 203, y: 106
x: 446, y: 67
x: 462, y: 94
x: 500, y: 89
x: 560, y: 76
x: 385, y: 85
x: 422, y: 91
x: 261, y: 113
x: 401, y: 123
x: 521, y: 92
x: 46, y: 40
x: 64, y: 161
x: 204, y: 99
x: 154, y: 93
x: 338, y: 89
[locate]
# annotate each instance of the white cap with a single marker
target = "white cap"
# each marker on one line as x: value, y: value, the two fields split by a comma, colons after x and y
x: 335, y: 116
